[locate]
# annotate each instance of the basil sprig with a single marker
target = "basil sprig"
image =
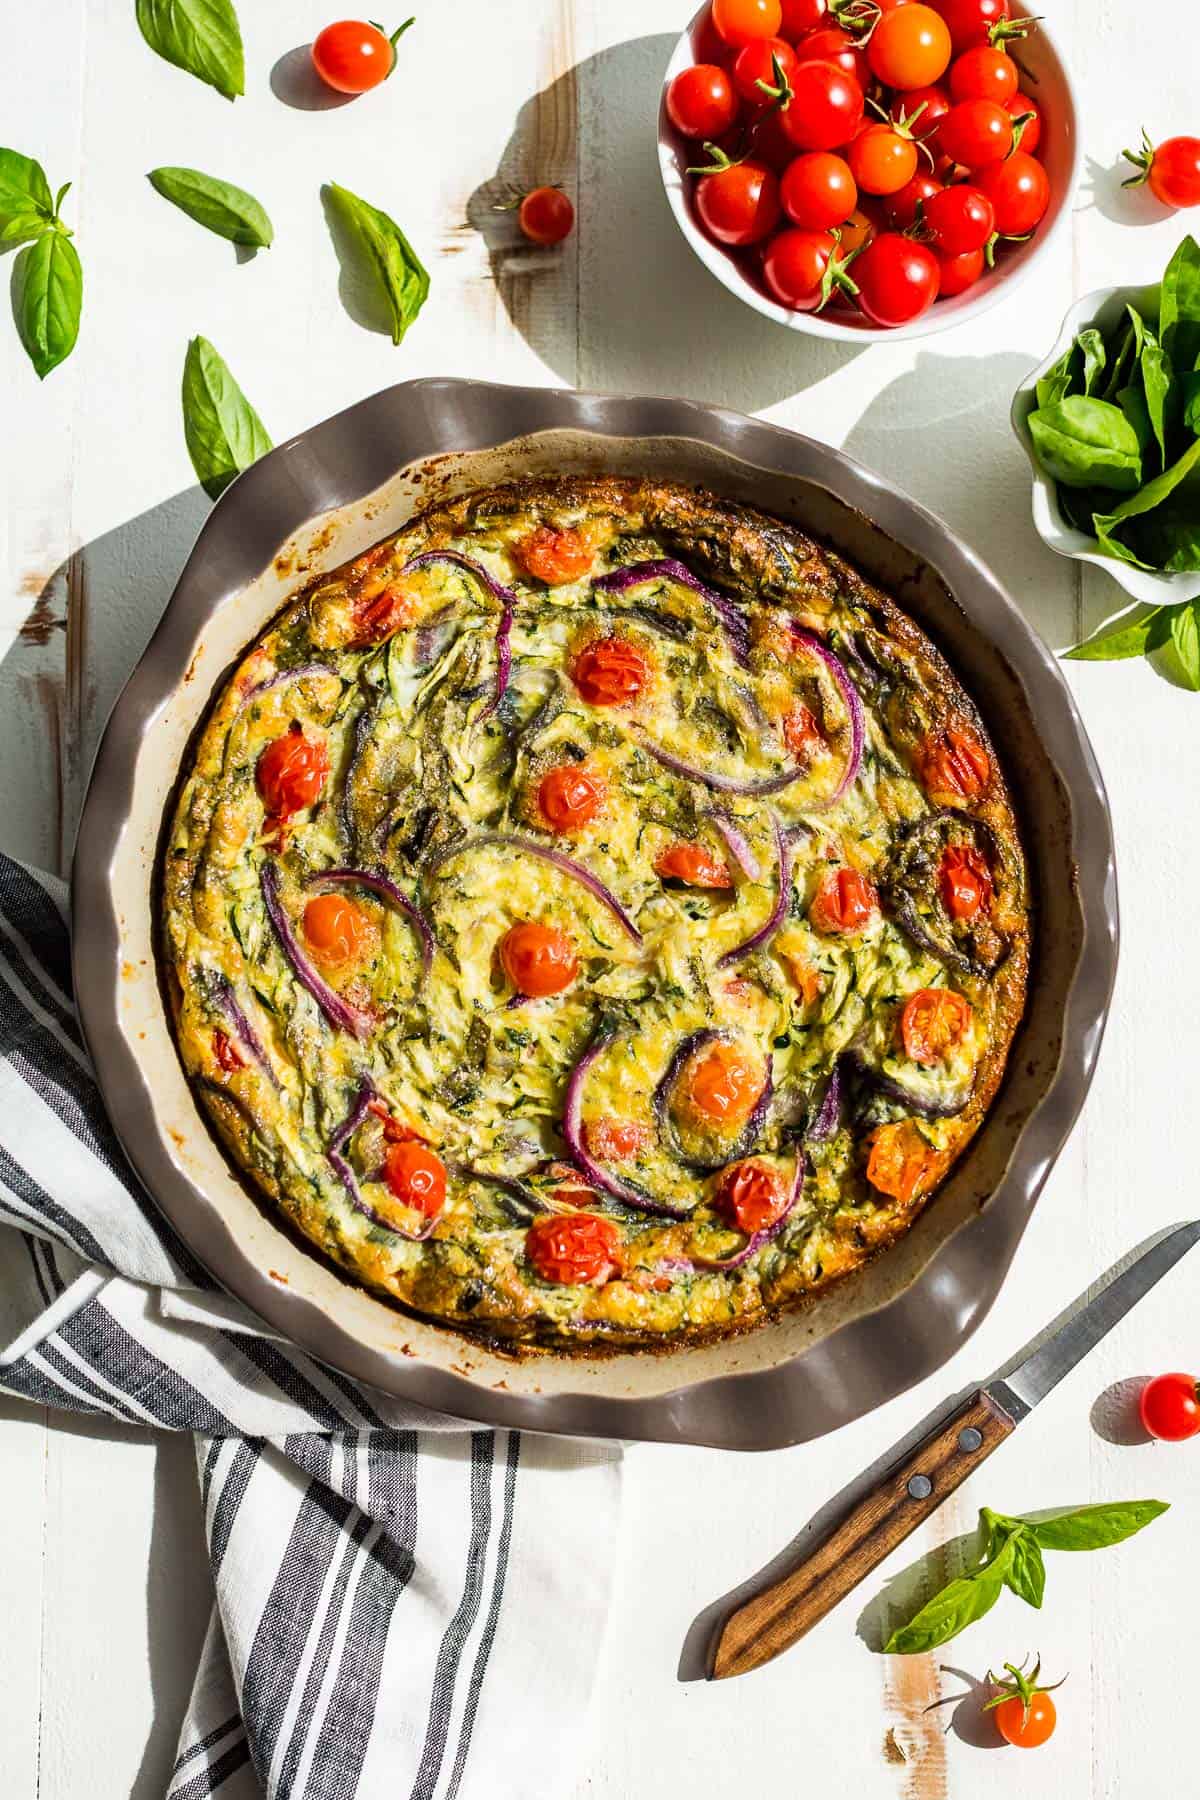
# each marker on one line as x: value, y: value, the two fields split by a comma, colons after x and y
x: 397, y: 277
x: 228, y: 210
x: 224, y: 433
x: 1012, y: 1557
x: 47, y: 277
x: 201, y: 36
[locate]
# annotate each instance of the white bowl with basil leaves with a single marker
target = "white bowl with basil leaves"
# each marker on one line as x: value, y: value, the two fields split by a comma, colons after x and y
x: 1110, y: 422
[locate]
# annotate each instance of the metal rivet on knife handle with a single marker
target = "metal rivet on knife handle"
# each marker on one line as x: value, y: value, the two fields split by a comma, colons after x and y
x: 920, y: 1486
x: 969, y: 1438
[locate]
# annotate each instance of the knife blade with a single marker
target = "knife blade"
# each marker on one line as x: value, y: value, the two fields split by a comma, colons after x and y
x: 914, y: 1486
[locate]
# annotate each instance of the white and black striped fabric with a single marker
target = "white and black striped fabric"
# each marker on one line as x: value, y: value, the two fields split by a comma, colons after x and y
x: 404, y: 1606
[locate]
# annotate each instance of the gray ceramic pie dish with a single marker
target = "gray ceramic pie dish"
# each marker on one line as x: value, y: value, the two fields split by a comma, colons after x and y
x: 324, y: 497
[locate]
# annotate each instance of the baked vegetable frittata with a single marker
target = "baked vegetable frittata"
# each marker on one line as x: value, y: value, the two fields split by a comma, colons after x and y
x: 595, y: 913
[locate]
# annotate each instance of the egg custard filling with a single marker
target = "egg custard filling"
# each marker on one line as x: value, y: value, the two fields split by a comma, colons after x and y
x: 595, y: 914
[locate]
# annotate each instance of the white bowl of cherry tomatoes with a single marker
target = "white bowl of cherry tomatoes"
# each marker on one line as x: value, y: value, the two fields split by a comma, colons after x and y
x: 860, y: 169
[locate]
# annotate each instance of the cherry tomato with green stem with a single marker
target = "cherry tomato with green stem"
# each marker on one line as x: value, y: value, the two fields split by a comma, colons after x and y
x: 910, y: 48
x: 769, y: 141
x: 960, y: 219
x: 923, y: 109
x: 738, y: 202
x: 971, y: 22
x: 826, y: 108
x: 1024, y: 1712
x: 546, y: 216
x: 1170, y: 1407
x: 1171, y: 171
x: 818, y: 190
x: 976, y: 133
x: 901, y: 208
x: 803, y: 268
x: 897, y: 279
x: 958, y: 273
x: 1025, y: 107
x: 882, y: 160
x: 1019, y: 190
x: 701, y: 102
x: 762, y: 70
x: 354, y: 56
x: 836, y: 46
x: 984, y: 73
x: 742, y: 22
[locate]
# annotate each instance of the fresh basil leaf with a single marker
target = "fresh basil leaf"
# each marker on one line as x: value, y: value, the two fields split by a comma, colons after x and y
x: 1185, y: 637
x: 1132, y: 402
x: 229, y: 211
x: 201, y: 36
x: 1159, y: 526
x: 47, y: 295
x: 1091, y: 347
x: 1125, y: 640
x: 1056, y: 383
x: 956, y: 1606
x: 224, y: 433
x: 1179, y: 314
x: 397, y: 273
x: 24, y: 190
x: 1087, y: 443
x: 1095, y: 1527
x: 1027, y: 1572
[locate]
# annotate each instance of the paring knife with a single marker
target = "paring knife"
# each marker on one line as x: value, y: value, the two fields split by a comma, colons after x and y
x: 905, y: 1496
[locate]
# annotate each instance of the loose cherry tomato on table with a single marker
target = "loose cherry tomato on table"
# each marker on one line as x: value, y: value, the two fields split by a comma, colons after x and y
x: 614, y: 1140
x: 910, y: 48
x: 738, y: 203
x: 898, y: 1160
x: 976, y: 133
x: 742, y: 22
x: 722, y: 1083
x: 932, y: 1023
x: 972, y: 22
x: 701, y: 102
x: 751, y: 1195
x: 1172, y: 171
x: 353, y: 56
x: 958, y: 273
x: 954, y: 766
x: 546, y: 216
x: 693, y: 865
x: 882, y: 160
x: 960, y: 219
x: 336, y: 930
x: 802, y: 269
x: 901, y: 208
x: 834, y: 45
x: 964, y: 882
x: 555, y: 556
x: 570, y: 796
x: 761, y: 71
x: 1170, y: 1407
x: 574, y: 1248
x: 1019, y: 190
x: 897, y: 279
x: 818, y: 190
x: 845, y: 901
x: 291, y: 773
x: 1024, y: 1712
x: 416, y: 1175
x: 923, y: 109
x: 610, y: 672
x: 984, y: 73
x: 538, y: 959
x: 826, y: 108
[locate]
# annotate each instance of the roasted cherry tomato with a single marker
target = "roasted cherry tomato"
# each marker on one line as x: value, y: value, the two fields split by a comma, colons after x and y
x: 1019, y: 190
x: 756, y: 63
x: 845, y: 901
x: 1172, y: 170
x: 932, y: 1023
x: 574, y: 1248
x: 1170, y: 1407
x: 336, y: 930
x: 960, y: 218
x: 416, y: 1175
x: 897, y: 279
x: 910, y: 48
x: 701, y: 102
x: 538, y: 959
x: 976, y: 134
x: 971, y: 22
x: 958, y: 273
x: 834, y: 45
x: 228, y: 1056
x: 924, y: 108
x: 610, y: 672
x: 1023, y: 1711
x: 353, y: 56
x: 742, y: 22
x: 985, y: 72
x: 377, y: 615
x: 898, y: 1160
x: 555, y: 556
x: 954, y: 766
x: 795, y: 264
x: 291, y: 773
x: 570, y: 796
x: 693, y: 864
x: 818, y: 191
x: 901, y: 209
x: 802, y: 735
x: 881, y: 160
x: 546, y: 215
x: 614, y: 1140
x: 964, y: 882
x: 739, y: 204
x: 826, y: 108
x: 751, y: 1195
x: 1024, y: 106
x: 723, y: 1082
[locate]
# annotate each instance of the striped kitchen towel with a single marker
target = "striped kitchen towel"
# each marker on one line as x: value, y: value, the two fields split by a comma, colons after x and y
x: 404, y: 1606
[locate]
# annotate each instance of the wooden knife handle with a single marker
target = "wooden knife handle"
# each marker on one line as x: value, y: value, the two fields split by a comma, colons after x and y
x: 900, y: 1501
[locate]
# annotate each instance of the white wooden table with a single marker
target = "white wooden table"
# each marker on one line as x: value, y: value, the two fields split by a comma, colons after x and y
x: 103, y: 1576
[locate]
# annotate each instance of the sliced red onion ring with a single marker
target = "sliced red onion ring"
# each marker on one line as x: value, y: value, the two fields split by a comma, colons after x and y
x: 737, y: 843
x: 387, y: 890
x: 668, y: 569
x: 766, y: 932
x: 339, y: 1012
x: 508, y: 1184
x: 504, y: 597
x: 893, y: 1089
x: 829, y: 1113
x: 661, y: 1104
x: 282, y: 676
x: 721, y: 784
x: 346, y: 1175
x: 244, y: 1030
x: 854, y: 708
x: 556, y: 858
x: 572, y: 1130
x: 362, y: 731
x: 761, y: 1238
